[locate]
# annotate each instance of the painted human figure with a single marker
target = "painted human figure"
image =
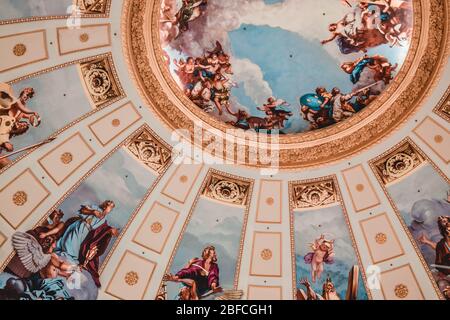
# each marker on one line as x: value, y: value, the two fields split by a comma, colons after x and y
x: 200, y: 276
x: 15, y: 117
x: 442, y: 247
x: 54, y: 226
x: 90, y: 217
x: 328, y: 291
x: 190, y: 10
x: 271, y: 105
x: 380, y: 66
x: 322, y: 252
x: 342, y: 108
x: 316, y: 108
x: 221, y: 90
x: 186, y: 73
x: 345, y: 33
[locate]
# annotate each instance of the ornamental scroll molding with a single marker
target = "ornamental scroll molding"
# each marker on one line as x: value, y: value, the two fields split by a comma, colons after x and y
x: 101, y: 81
x: 88, y: 7
x: 443, y: 107
x: 312, y: 148
x: 313, y: 194
x: 398, y: 162
x: 227, y: 189
x: 150, y: 151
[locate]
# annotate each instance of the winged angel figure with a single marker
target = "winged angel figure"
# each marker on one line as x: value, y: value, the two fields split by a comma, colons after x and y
x: 42, y: 271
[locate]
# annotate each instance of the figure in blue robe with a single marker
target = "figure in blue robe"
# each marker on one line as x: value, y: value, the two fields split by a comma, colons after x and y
x: 90, y: 217
x: 359, y: 68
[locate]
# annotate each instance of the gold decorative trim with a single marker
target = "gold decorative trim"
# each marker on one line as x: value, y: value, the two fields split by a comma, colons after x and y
x: 115, y: 123
x: 3, y: 239
x: 397, y: 163
x: 443, y: 107
x: 156, y: 227
x: 131, y: 278
x: 226, y: 189
x: 19, y: 49
x: 20, y: 198
x: 350, y: 231
x: 164, y: 190
x: 266, y: 254
x: 270, y: 201
x: 66, y: 158
x: 93, y: 7
x: 350, y: 193
x: 401, y: 291
x: 330, y: 144
x: 397, y: 212
x: 265, y: 287
x: 150, y: 151
x: 380, y: 238
x: 312, y: 194
x: 101, y: 81
x: 84, y: 37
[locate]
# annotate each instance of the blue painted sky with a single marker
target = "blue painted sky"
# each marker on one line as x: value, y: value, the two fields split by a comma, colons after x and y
x: 309, y: 225
x: 425, y: 183
x: 292, y: 66
x: 58, y: 99
x: 211, y: 224
x: 28, y: 8
x: 288, y: 52
x: 122, y: 179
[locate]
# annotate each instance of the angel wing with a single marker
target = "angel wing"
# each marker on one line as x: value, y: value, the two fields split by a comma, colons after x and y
x: 30, y: 252
x: 231, y: 295
x: 4, y: 87
x: 7, y: 95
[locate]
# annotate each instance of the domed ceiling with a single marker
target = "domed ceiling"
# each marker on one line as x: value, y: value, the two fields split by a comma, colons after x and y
x: 282, y: 66
x: 228, y: 150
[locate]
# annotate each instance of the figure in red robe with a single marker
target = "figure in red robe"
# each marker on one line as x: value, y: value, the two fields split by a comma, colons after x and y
x: 93, y: 247
x: 200, y: 276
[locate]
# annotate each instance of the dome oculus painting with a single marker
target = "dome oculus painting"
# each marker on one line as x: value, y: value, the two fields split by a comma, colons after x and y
x: 284, y: 66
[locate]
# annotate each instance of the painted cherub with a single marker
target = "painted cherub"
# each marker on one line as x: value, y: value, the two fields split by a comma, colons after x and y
x: 322, y: 253
x: 272, y: 105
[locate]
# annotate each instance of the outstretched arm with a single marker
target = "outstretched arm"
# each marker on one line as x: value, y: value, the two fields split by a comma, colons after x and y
x: 53, y: 231
x: 91, y: 212
x: 333, y: 37
x: 424, y: 240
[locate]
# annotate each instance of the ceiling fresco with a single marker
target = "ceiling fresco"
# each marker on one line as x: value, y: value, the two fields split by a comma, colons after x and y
x: 224, y: 150
x: 284, y: 66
